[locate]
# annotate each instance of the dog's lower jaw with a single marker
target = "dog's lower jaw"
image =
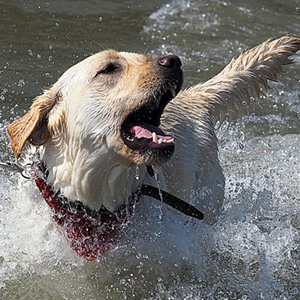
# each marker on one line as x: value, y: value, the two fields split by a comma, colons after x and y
x: 96, y: 179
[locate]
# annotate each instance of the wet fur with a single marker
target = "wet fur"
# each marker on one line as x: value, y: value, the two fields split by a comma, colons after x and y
x: 76, y: 126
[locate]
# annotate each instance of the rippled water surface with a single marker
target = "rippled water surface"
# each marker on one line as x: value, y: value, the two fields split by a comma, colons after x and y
x: 253, y: 252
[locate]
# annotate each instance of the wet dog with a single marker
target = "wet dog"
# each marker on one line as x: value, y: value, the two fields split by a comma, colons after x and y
x: 103, y: 126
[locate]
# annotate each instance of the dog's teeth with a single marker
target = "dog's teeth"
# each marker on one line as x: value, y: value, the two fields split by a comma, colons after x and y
x: 170, y: 141
x: 173, y: 92
x: 129, y: 138
x: 154, y: 137
x: 159, y: 141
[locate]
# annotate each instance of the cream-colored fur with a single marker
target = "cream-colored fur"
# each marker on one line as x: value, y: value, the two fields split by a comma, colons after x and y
x: 76, y: 125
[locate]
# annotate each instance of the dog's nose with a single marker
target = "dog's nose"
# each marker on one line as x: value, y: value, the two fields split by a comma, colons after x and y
x: 170, y: 61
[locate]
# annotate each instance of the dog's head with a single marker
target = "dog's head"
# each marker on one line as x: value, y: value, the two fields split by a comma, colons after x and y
x: 116, y: 98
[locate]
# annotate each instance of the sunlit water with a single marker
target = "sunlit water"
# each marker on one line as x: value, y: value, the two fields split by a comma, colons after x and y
x: 253, y: 252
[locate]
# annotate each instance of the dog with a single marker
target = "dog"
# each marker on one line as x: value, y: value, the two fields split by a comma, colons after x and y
x: 115, y: 118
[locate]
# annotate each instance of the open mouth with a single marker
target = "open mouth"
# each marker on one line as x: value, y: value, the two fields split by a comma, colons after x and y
x: 140, y: 130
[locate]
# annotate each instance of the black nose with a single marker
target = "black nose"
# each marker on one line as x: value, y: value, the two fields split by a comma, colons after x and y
x: 170, y: 61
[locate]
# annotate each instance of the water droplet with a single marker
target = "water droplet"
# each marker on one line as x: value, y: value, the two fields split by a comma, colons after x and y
x: 156, y: 176
x: 137, y: 172
x: 21, y: 83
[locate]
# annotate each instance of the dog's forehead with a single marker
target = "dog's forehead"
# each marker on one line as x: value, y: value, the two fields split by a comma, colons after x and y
x: 91, y: 65
x: 134, y: 57
x: 128, y: 57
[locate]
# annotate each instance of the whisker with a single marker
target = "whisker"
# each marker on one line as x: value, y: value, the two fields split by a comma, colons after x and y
x: 100, y: 45
x: 147, y: 48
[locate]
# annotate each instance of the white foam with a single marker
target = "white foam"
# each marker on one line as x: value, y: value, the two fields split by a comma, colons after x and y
x: 249, y: 251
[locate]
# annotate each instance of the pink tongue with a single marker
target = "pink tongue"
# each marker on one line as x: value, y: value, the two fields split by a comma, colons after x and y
x: 146, y: 133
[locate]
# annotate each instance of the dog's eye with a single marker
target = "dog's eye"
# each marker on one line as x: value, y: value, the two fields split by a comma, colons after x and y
x: 108, y: 69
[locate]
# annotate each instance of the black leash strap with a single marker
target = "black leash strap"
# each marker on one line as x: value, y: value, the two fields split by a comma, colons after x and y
x: 172, y: 201
x: 145, y: 189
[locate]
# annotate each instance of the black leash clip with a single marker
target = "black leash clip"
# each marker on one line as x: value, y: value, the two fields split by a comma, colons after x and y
x: 14, y: 166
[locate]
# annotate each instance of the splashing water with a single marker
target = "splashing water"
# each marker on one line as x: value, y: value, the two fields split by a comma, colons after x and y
x: 137, y: 172
x: 157, y: 179
x: 253, y: 252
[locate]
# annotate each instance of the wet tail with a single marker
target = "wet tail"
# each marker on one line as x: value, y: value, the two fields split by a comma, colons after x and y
x: 243, y: 77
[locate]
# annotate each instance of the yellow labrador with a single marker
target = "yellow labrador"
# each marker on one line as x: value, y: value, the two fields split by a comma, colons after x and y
x: 111, y: 117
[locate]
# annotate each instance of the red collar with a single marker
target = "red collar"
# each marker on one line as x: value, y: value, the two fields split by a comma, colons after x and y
x: 89, y: 232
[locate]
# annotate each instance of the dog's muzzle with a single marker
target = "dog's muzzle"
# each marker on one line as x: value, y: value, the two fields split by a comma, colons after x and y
x: 140, y: 130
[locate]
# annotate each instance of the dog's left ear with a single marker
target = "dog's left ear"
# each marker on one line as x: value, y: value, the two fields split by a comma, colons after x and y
x: 35, y: 127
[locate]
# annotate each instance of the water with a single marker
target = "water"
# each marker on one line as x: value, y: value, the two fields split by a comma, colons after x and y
x: 253, y: 252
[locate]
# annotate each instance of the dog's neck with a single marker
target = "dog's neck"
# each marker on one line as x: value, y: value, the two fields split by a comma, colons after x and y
x: 94, y: 177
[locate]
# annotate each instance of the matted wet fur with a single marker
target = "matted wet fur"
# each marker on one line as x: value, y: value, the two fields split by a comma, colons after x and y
x: 100, y: 120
